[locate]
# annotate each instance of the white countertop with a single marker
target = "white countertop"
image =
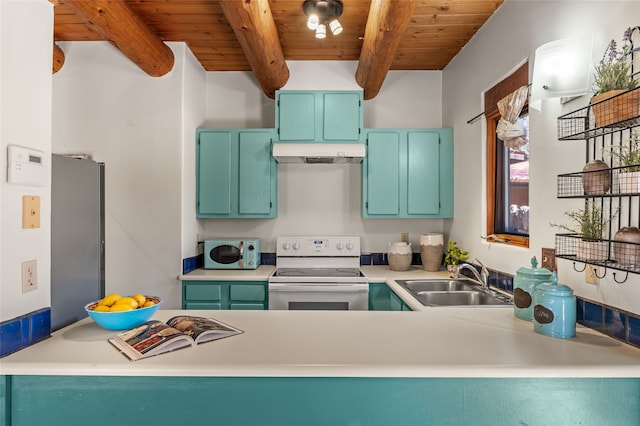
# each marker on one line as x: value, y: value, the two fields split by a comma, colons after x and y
x: 261, y: 273
x: 431, y: 342
x: 437, y: 342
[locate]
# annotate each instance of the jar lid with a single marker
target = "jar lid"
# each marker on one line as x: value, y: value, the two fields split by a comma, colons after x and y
x: 534, y: 270
x: 553, y: 288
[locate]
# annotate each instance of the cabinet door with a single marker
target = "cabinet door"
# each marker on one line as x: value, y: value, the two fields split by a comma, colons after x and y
x: 379, y: 296
x: 202, y: 305
x: 255, y: 187
x: 214, y: 166
x: 395, y: 303
x: 205, y: 290
x: 342, y: 117
x: 297, y: 116
x: 423, y: 173
x: 382, y: 174
x: 247, y: 292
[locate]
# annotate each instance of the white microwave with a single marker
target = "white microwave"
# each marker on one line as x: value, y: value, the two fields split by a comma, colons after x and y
x: 231, y: 254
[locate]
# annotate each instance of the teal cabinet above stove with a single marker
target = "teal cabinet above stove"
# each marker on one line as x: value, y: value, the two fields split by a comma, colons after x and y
x: 319, y: 116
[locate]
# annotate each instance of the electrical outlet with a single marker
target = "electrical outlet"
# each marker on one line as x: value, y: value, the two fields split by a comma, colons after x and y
x: 591, y: 274
x: 29, y: 275
x: 549, y: 259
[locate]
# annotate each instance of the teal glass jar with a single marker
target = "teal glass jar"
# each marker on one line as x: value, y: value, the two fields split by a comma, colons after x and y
x: 554, y: 310
x: 524, y: 286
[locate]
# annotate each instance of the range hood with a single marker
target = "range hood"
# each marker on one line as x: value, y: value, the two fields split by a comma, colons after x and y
x: 319, y: 153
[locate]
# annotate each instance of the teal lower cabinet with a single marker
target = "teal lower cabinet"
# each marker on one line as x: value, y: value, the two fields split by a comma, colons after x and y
x: 382, y: 298
x: 408, y: 173
x: 225, y: 295
x: 316, y: 401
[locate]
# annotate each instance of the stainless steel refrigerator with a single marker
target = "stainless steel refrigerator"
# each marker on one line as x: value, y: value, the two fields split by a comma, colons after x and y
x: 77, y: 237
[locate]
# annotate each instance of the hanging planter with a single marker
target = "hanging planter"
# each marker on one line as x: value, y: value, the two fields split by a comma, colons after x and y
x: 591, y: 251
x: 616, y: 108
x: 616, y: 103
x: 628, y: 157
x: 629, y: 182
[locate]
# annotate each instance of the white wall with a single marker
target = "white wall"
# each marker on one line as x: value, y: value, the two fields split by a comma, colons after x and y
x: 105, y: 106
x: 323, y: 199
x: 26, y: 38
x: 510, y: 37
x: 193, y: 116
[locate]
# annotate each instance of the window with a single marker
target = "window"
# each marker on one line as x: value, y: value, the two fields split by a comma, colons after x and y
x: 507, y: 170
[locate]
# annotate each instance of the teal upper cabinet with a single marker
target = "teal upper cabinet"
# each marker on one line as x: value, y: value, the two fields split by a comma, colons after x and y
x: 408, y: 173
x: 319, y: 116
x: 236, y: 176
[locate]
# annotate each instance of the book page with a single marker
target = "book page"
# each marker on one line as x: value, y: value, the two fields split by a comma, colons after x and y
x: 151, y: 338
x: 202, y: 329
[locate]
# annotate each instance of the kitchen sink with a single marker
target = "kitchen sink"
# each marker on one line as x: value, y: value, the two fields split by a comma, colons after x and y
x: 454, y: 292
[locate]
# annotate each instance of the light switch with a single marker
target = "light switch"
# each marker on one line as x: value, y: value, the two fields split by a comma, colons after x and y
x: 30, y: 211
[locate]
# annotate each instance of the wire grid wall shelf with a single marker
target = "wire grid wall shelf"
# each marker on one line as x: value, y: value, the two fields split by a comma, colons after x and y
x: 601, y: 118
x: 610, y: 182
x: 618, y: 255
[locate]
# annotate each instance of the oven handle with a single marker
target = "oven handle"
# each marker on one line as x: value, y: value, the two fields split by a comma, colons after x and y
x: 308, y: 288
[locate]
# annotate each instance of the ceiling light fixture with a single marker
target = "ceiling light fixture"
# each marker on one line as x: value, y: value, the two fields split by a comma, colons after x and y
x: 322, y: 12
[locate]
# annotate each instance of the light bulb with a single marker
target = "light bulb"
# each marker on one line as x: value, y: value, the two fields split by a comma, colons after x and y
x: 313, y: 21
x: 336, y: 27
x: 321, y: 31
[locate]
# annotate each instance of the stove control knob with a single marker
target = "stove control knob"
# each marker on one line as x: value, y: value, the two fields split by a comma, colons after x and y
x: 349, y: 246
x: 340, y: 246
x: 296, y: 246
x: 285, y: 246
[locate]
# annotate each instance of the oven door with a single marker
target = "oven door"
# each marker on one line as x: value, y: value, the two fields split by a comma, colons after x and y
x: 319, y: 296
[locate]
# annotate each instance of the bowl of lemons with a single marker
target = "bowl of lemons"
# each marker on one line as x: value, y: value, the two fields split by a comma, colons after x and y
x: 116, y: 312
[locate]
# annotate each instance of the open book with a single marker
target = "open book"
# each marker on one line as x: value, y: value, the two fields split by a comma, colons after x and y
x: 155, y: 337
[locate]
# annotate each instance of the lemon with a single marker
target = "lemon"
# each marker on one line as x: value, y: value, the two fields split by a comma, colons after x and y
x: 110, y: 299
x: 148, y: 303
x: 120, y: 307
x: 102, y: 308
x: 129, y: 301
x: 140, y: 299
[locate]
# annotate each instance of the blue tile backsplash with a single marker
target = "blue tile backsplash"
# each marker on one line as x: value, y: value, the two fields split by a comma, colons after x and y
x: 25, y: 330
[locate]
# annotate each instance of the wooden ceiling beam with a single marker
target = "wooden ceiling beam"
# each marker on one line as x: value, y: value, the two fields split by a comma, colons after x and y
x: 256, y: 31
x: 114, y: 21
x: 58, y: 58
x: 386, y: 25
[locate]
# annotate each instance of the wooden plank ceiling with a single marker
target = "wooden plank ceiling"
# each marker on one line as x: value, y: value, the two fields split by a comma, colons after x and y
x: 435, y: 33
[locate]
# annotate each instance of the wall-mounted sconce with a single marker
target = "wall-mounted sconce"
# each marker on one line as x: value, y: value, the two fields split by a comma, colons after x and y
x: 561, y: 69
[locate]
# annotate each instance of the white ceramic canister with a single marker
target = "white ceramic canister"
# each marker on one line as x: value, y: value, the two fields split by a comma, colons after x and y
x: 431, y: 251
x: 399, y: 256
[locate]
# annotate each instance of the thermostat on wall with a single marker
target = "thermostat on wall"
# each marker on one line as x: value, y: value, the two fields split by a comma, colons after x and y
x: 26, y: 166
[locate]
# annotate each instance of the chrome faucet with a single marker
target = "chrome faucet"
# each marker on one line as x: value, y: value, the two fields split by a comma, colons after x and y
x: 481, y: 278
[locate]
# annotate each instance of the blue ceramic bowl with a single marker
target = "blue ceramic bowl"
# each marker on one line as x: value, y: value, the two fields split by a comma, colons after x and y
x: 123, y: 320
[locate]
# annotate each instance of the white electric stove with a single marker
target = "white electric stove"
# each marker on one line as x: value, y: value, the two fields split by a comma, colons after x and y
x: 318, y: 273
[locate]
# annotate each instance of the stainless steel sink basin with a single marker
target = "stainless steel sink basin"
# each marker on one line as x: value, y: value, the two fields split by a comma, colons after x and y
x: 438, y: 285
x: 454, y: 292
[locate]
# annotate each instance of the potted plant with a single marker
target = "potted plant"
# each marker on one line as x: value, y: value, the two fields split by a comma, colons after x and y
x: 453, y: 256
x: 612, y: 78
x: 628, y: 156
x: 590, y: 228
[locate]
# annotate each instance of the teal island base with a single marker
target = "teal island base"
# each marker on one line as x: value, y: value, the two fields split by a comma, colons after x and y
x: 99, y: 400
